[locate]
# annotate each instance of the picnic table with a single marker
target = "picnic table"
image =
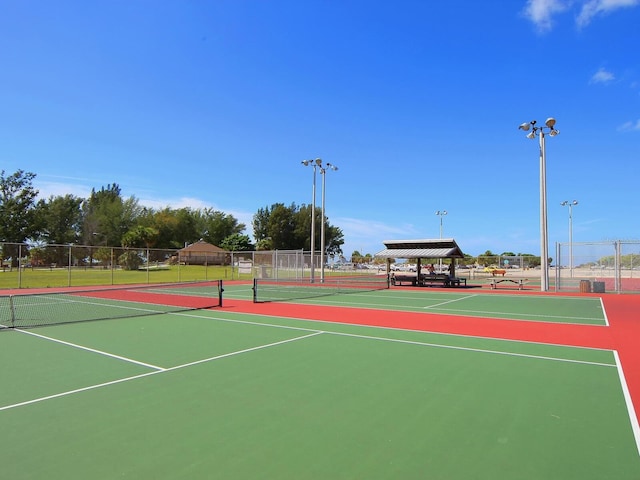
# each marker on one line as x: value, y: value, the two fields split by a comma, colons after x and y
x: 518, y: 281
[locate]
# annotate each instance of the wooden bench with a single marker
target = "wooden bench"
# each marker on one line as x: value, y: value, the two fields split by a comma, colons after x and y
x: 399, y: 279
x: 427, y: 279
x: 435, y: 278
x: 520, y: 282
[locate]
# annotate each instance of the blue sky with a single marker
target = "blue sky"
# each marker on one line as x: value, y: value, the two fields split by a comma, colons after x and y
x: 216, y: 103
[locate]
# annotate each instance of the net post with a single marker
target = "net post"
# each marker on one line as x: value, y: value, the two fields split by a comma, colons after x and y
x: 220, y: 290
x: 255, y: 291
x: 13, y: 312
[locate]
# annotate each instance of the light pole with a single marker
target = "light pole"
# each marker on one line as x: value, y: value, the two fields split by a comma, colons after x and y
x: 441, y: 213
x: 323, y: 172
x: 313, y: 163
x: 544, y: 237
x: 569, y: 204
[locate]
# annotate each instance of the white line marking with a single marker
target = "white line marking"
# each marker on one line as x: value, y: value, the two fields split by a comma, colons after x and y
x: 604, y: 312
x: 451, y: 301
x: 426, y: 344
x: 126, y: 379
x: 260, y: 347
x: 627, y: 397
x: 78, y: 390
x: 473, y: 313
x: 477, y: 350
x: 106, y: 354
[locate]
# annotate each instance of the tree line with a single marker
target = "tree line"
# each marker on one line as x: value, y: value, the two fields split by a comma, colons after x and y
x: 105, y: 218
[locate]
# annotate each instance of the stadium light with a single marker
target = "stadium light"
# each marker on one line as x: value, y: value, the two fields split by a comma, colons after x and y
x: 313, y: 163
x: 544, y: 237
x: 569, y: 204
x: 323, y: 172
x: 441, y: 213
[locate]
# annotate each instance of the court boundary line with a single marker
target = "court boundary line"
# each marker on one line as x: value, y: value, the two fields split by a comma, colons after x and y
x: 314, y: 332
x: 471, y: 313
x: 633, y: 418
x: 385, y: 327
x: 426, y: 344
x: 155, y: 372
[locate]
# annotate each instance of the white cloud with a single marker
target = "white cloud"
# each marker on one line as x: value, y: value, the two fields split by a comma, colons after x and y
x: 630, y: 126
x: 591, y: 8
x: 602, y: 76
x: 48, y: 189
x: 540, y: 12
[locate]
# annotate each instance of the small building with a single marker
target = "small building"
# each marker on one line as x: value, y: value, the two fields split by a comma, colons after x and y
x: 203, y: 253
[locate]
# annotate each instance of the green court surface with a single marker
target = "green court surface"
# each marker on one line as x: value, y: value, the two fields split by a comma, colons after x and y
x: 227, y: 394
x: 549, y: 308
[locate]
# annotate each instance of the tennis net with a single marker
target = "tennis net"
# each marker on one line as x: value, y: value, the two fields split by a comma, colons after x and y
x: 42, y: 309
x: 282, y: 290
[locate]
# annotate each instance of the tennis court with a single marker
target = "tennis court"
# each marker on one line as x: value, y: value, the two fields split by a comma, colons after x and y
x: 401, y: 383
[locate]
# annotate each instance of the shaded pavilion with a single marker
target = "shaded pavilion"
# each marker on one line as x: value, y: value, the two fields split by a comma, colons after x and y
x: 441, y: 248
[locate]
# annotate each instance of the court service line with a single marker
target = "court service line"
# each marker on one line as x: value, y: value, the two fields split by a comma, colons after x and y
x: 413, y: 342
x: 475, y: 350
x: 135, y: 377
x: 516, y: 316
x: 93, y: 350
x: 450, y: 301
x: 629, y: 402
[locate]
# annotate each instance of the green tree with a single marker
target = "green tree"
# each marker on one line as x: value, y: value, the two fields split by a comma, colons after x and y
x: 130, y: 260
x: 140, y: 236
x: 59, y: 222
x: 17, y: 213
x: 107, y: 217
x: 214, y: 226
x: 274, y: 227
x: 237, y: 243
x: 59, y: 219
x: 289, y: 228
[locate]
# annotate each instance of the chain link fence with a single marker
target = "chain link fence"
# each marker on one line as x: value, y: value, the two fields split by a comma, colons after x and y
x: 43, y: 266
x: 599, y: 267
x: 36, y: 266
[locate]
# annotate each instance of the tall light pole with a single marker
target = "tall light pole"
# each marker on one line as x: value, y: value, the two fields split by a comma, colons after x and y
x: 544, y: 236
x: 313, y: 163
x: 569, y: 204
x: 441, y: 213
x: 323, y: 172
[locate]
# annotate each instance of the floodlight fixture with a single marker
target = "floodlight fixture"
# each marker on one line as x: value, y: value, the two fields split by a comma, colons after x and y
x: 544, y: 236
x: 441, y: 213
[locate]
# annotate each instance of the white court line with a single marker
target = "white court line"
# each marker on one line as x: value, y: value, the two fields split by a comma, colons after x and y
x: 627, y: 398
x: 106, y: 354
x: 476, y: 350
x: 126, y: 379
x: 604, y: 311
x: 451, y: 301
x: 474, y: 313
x: 412, y: 342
